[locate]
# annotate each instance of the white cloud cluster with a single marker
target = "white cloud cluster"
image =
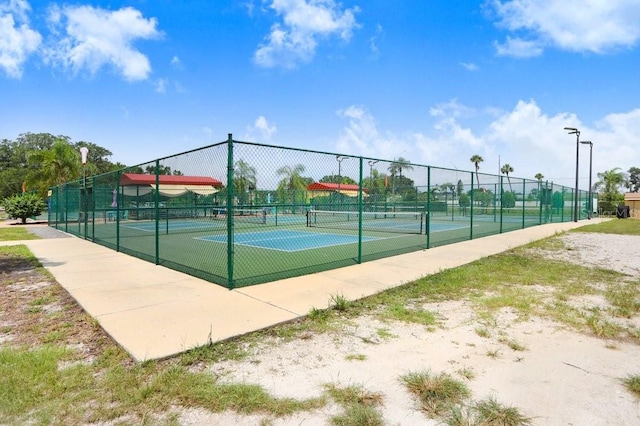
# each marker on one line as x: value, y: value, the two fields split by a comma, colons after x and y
x: 304, y: 22
x: 97, y: 37
x: 525, y: 137
x: 17, y: 39
x: 261, y: 130
x: 362, y: 137
x: 81, y: 38
x: 595, y: 26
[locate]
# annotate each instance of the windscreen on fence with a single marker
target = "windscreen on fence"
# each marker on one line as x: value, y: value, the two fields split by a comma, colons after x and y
x: 240, y: 213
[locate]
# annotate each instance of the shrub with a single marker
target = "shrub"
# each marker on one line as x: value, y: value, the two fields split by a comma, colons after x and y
x: 23, y: 206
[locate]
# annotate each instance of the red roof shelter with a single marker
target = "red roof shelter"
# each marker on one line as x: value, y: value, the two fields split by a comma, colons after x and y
x: 348, y: 189
x: 169, y: 185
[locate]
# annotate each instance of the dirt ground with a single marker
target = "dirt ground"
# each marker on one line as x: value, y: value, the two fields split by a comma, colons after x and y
x: 553, y: 375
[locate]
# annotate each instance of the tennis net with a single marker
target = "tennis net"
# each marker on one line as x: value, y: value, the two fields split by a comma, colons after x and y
x: 396, y: 222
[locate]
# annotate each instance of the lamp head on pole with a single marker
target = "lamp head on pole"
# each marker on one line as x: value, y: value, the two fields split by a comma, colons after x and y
x: 587, y: 142
x: 572, y: 130
x: 84, y: 151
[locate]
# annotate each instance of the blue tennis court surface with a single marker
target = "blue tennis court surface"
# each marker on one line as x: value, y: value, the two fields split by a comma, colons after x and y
x: 182, y: 225
x: 289, y: 241
x: 441, y: 227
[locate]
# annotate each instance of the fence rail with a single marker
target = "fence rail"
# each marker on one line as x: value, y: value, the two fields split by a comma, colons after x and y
x: 241, y: 213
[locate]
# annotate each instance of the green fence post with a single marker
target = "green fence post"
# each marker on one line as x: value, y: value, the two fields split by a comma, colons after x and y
x: 428, y: 213
x: 230, y: 225
x: 501, y: 201
x: 157, y: 211
x: 360, y: 214
x: 524, y: 188
x: 471, y: 209
x: 118, y: 200
x: 540, y: 199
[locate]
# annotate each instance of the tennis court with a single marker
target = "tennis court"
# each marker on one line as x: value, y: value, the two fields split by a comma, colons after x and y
x: 288, y: 240
x: 241, y: 213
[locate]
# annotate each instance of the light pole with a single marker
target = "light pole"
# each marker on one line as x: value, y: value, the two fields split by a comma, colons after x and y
x: 573, y: 130
x: 590, y: 201
x: 339, y: 159
x: 371, y: 163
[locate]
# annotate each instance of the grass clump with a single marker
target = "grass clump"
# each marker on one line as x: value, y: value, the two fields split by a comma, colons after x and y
x: 632, y: 383
x: 360, y: 406
x: 437, y: 393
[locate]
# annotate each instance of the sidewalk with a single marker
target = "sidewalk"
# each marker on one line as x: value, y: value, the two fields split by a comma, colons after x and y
x: 154, y: 312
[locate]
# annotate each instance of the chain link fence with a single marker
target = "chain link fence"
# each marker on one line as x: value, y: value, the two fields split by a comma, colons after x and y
x: 240, y: 213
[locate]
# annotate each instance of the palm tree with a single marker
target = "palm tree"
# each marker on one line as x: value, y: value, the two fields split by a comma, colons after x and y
x: 292, y: 180
x: 506, y: 169
x: 244, y: 178
x: 396, y: 167
x: 610, y: 182
x: 52, y: 167
x: 476, y: 160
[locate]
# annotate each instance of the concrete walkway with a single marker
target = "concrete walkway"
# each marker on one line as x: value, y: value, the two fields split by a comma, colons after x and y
x: 154, y: 312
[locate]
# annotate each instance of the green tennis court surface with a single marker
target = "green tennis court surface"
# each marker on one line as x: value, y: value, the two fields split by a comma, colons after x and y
x: 288, y: 240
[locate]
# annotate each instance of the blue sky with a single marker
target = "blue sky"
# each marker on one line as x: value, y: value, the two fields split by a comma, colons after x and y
x: 433, y: 81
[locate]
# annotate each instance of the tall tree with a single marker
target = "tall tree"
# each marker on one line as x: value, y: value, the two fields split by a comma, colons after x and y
x: 244, y: 179
x: 539, y: 176
x: 97, y: 159
x: 609, y: 184
x: 51, y: 167
x: 634, y: 179
x: 291, y: 182
x: 506, y: 169
x: 476, y: 160
x: 396, y: 168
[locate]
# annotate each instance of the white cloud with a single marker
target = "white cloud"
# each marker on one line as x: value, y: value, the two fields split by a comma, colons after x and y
x: 373, y: 41
x: 519, y: 48
x: 262, y: 128
x: 304, y: 23
x: 469, y: 66
x: 526, y: 137
x: 161, y: 85
x: 362, y: 137
x: 17, y: 39
x: 576, y: 25
x: 97, y: 37
x: 176, y: 63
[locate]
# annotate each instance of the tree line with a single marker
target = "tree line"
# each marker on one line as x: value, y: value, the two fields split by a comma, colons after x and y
x: 609, y: 186
x: 34, y: 162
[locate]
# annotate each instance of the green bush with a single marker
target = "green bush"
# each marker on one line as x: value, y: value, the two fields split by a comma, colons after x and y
x: 23, y: 206
x: 508, y: 200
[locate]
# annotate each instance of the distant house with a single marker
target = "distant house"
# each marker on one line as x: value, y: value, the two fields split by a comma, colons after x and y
x: 632, y: 199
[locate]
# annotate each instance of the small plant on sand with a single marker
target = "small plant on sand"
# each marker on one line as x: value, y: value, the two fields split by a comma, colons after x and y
x: 437, y: 393
x: 632, y: 382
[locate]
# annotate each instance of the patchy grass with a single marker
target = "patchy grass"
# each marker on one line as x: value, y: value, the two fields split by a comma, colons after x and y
x: 632, y: 383
x: 359, y: 405
x: 16, y: 233
x: 437, y: 393
x: 490, y: 413
x: 621, y: 226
